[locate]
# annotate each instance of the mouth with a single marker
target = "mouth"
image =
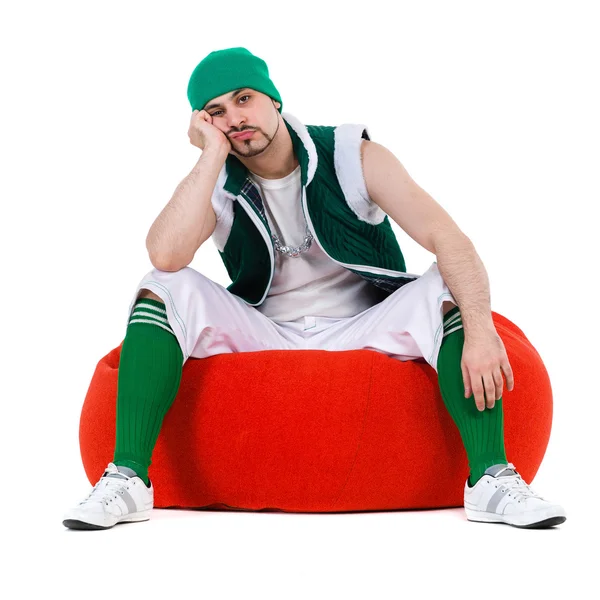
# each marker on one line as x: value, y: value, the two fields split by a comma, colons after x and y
x: 244, y: 135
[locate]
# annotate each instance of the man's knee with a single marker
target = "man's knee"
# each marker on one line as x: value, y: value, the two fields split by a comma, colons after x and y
x: 175, y: 282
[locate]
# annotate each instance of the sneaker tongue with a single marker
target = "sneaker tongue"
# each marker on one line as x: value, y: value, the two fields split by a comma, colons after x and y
x: 500, y: 471
x: 117, y: 471
x: 127, y: 471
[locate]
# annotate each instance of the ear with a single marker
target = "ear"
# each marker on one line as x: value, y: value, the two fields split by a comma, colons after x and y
x: 277, y: 104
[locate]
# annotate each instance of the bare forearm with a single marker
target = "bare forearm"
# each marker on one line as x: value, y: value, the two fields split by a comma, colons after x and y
x: 175, y: 233
x: 464, y: 273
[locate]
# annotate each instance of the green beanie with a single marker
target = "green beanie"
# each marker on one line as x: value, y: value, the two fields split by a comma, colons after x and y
x: 226, y: 70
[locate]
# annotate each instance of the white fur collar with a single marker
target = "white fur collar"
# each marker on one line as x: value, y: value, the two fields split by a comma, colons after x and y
x: 305, y: 138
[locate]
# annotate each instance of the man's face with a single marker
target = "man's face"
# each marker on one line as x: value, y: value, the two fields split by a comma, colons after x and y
x: 245, y: 110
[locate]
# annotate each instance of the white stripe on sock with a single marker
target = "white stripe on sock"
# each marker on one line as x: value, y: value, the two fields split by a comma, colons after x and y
x: 151, y: 323
x: 451, y: 330
x: 147, y: 305
x: 137, y: 312
x: 451, y: 320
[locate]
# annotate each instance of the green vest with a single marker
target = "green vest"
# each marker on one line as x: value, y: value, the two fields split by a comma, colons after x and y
x: 350, y: 228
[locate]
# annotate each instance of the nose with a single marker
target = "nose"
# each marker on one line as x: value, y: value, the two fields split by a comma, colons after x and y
x: 236, y: 120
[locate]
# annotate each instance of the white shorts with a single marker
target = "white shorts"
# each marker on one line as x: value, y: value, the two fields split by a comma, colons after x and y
x: 207, y: 319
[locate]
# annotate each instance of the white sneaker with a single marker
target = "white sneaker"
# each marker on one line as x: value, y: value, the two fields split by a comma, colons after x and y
x: 501, y: 496
x: 116, y: 498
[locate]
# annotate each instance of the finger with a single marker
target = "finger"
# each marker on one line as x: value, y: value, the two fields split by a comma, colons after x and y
x: 478, y: 392
x: 499, y: 383
x: 490, y: 389
x: 508, y: 373
x: 466, y: 380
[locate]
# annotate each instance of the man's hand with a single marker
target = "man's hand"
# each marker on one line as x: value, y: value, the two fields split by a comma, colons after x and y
x: 483, y: 357
x: 203, y: 134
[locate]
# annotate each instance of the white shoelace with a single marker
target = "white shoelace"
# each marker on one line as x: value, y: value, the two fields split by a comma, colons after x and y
x: 517, y: 487
x: 105, y: 489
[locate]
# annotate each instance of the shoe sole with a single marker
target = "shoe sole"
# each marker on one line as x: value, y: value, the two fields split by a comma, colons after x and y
x: 483, y: 517
x: 79, y: 524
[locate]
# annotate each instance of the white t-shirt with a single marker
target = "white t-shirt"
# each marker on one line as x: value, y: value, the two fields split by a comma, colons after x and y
x: 310, y: 284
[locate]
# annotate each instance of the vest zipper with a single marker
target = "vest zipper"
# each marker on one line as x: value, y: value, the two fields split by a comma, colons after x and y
x: 263, y: 231
x: 374, y: 270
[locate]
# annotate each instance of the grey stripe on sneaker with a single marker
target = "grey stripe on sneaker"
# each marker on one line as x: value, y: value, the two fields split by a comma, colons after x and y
x: 495, y: 499
x: 129, y: 501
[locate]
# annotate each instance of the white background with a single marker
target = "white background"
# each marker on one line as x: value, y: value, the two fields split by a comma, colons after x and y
x: 491, y: 107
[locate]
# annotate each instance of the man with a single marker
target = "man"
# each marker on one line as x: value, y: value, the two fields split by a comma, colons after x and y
x: 299, y: 215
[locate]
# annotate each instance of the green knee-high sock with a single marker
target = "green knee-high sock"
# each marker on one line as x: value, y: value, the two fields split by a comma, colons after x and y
x: 482, y: 432
x: 149, y: 374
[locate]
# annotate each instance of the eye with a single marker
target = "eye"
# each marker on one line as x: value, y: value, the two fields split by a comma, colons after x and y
x: 218, y: 111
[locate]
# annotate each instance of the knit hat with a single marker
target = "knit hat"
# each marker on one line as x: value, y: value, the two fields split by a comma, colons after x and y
x: 226, y: 70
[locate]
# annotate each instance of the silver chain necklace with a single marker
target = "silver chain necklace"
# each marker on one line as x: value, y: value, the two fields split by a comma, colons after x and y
x: 292, y: 251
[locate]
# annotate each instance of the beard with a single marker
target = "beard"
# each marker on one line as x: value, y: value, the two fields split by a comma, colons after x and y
x: 253, y: 147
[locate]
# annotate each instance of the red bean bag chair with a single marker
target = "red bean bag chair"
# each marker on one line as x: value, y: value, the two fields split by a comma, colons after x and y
x: 317, y: 430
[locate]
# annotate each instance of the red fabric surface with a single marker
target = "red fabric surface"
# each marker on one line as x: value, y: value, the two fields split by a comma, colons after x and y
x: 317, y: 430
